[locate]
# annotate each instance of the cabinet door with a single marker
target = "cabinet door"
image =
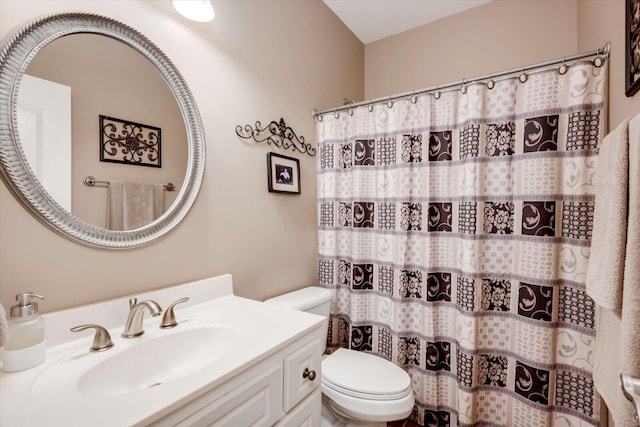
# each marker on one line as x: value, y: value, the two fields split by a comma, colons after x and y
x: 306, y: 414
x: 255, y: 403
x: 301, y: 373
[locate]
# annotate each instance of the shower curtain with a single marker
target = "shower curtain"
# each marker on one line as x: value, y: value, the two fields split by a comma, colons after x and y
x: 454, y: 231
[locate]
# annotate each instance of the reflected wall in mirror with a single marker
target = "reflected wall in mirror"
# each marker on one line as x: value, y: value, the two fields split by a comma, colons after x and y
x: 130, y: 78
x: 104, y: 76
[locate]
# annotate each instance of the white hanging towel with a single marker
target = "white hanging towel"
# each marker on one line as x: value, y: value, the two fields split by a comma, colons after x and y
x: 131, y: 204
x: 613, y: 278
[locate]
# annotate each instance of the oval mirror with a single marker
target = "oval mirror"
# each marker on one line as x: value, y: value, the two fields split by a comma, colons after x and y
x: 22, y: 53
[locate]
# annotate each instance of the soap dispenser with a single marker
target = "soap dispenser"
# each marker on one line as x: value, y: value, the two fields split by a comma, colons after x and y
x: 26, y: 346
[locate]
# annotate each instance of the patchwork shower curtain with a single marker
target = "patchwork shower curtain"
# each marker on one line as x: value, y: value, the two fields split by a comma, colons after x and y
x: 455, y: 234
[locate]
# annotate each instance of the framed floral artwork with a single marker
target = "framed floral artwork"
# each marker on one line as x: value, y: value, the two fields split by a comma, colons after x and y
x: 124, y: 141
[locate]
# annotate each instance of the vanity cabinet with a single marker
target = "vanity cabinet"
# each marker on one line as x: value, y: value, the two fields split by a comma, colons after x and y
x: 230, y: 362
x: 283, y: 390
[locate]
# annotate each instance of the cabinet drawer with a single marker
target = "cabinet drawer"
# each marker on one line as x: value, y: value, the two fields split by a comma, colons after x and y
x: 297, y: 384
x: 306, y: 414
x: 255, y: 403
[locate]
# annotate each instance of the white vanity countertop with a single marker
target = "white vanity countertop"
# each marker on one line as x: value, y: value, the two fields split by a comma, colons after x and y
x: 48, y: 396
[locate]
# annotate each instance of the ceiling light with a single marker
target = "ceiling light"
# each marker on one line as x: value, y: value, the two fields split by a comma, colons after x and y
x: 196, y: 10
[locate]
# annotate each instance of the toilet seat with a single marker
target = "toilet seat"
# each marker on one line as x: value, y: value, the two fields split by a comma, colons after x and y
x: 364, y: 376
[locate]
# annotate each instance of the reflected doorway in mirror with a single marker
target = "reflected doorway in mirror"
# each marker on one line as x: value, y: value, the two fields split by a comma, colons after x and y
x: 283, y: 173
x: 44, y: 125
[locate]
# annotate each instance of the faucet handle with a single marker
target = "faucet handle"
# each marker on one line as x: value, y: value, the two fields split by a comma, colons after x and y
x: 101, y: 340
x: 169, y: 318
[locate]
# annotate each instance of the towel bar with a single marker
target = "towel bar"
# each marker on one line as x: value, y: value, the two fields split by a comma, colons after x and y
x: 90, y: 181
x: 631, y: 389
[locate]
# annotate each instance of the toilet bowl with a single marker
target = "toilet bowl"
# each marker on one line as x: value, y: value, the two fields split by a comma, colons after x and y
x: 359, y: 398
x: 358, y: 389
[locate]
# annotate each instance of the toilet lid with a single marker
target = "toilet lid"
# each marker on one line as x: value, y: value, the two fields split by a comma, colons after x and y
x: 364, y: 375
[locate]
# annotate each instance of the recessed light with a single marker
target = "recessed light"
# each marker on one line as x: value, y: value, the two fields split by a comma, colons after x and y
x: 196, y: 10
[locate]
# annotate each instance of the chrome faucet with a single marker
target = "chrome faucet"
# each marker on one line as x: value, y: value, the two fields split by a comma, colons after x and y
x: 133, y: 325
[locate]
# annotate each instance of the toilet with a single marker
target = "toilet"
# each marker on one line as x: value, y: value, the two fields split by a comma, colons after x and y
x: 358, y: 389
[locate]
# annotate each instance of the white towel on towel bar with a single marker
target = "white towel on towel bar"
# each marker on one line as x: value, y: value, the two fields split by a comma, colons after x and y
x: 613, y: 278
x: 609, y: 240
x: 132, y: 204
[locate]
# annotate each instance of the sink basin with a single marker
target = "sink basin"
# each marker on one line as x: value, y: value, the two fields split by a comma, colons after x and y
x: 145, y: 363
x: 158, y: 361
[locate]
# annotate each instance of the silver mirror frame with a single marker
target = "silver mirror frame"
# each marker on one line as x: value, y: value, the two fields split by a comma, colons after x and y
x: 17, y: 50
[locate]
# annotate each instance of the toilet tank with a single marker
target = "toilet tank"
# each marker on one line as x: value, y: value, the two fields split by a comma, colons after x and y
x: 311, y: 299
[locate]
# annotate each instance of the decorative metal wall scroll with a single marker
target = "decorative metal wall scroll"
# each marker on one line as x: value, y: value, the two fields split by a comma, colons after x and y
x: 632, y: 78
x: 122, y: 141
x: 278, y: 134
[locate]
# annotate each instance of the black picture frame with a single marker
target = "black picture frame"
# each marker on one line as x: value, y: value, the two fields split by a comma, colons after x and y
x: 283, y: 174
x: 632, y: 47
x: 124, y: 141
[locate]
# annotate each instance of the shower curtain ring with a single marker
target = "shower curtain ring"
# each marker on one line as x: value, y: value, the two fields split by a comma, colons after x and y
x: 563, y: 68
x: 491, y: 83
x: 463, y: 88
x: 413, y: 97
x: 523, y: 76
x: 370, y: 107
x: 336, y: 114
x: 436, y: 94
x: 389, y: 102
x: 598, y: 61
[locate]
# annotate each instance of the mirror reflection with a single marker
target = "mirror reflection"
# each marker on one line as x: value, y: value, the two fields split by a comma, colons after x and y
x: 68, y: 85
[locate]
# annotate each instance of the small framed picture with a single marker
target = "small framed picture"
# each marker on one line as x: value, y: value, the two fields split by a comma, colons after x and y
x: 283, y: 173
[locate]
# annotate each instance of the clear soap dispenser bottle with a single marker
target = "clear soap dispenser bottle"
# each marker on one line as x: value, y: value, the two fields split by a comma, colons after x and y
x: 26, y: 346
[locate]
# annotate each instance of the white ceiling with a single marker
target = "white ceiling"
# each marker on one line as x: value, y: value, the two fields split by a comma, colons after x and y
x: 372, y: 20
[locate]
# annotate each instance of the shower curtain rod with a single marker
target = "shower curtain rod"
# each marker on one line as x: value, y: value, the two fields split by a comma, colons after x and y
x: 604, y: 52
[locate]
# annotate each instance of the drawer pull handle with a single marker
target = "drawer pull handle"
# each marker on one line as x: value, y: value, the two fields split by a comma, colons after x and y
x: 311, y: 375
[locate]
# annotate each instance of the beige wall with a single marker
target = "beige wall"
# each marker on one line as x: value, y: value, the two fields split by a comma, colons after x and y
x: 495, y: 36
x: 109, y: 78
x: 499, y: 35
x: 257, y: 60
x: 599, y: 21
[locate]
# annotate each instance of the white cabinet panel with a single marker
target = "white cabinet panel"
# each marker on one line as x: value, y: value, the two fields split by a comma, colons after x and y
x: 301, y: 373
x: 255, y: 403
x: 306, y: 414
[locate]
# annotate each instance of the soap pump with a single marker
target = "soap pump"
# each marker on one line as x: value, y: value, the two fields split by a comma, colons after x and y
x: 26, y: 346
